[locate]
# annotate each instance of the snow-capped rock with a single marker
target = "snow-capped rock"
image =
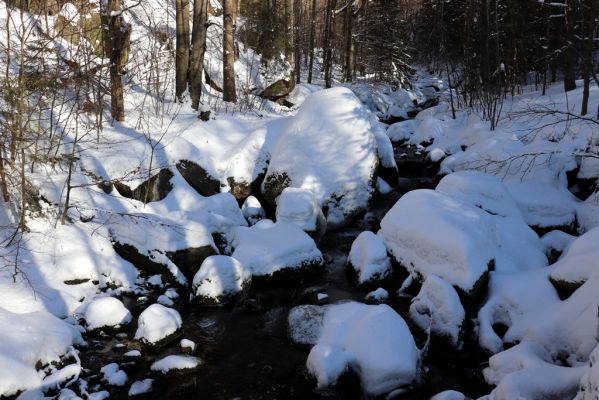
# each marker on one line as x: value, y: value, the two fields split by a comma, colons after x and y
x: 176, y: 364
x: 252, y: 210
x: 156, y: 323
x: 368, y: 258
x: 219, y: 280
x: 105, y: 312
x: 298, y: 206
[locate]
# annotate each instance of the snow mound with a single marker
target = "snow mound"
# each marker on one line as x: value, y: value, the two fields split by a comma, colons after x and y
x: 368, y: 257
x: 298, y: 206
x: 141, y: 387
x: 379, y: 295
x: 402, y: 131
x: 220, y: 278
x: 431, y: 233
x: 588, y: 213
x: 252, y: 210
x: 156, y: 323
x: 373, y: 341
x: 589, y: 384
x: 105, y: 312
x: 329, y: 149
x: 580, y: 262
x: 176, y: 363
x: 27, y: 339
x: 481, y: 190
x: 269, y: 248
x: 113, y: 375
x: 437, y: 307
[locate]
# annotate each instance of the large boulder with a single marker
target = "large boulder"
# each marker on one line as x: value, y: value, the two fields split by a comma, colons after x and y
x: 156, y: 188
x: 329, y: 149
x: 199, y: 178
x: 156, y: 324
x: 277, y: 90
x: 369, y: 260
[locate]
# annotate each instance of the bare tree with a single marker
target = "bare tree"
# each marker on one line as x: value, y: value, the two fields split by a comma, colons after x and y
x: 229, y: 12
x: 198, y: 48
x: 312, y: 39
x: 182, y: 48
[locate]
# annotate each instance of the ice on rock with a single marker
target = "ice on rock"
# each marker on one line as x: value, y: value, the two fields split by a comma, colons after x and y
x: 298, y: 206
x: 176, y: 363
x: 268, y: 249
x: 431, y: 233
x: 368, y: 257
x: 219, y: 279
x: 252, y: 210
x: 105, y: 312
x: 141, y: 387
x: 372, y: 341
x: 156, y: 323
x: 113, y: 375
x: 437, y: 307
x: 329, y: 149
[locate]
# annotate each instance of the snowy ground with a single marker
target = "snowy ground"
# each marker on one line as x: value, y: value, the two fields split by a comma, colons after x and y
x: 475, y: 230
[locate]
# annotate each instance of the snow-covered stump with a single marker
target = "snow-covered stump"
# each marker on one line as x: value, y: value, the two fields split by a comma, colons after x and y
x: 157, y: 325
x: 371, y: 342
x: 427, y: 233
x: 104, y: 313
x: 298, y: 206
x: 221, y: 280
x: 368, y: 260
x: 437, y: 310
x: 159, y: 246
x: 276, y: 252
x: 330, y: 149
x: 201, y: 179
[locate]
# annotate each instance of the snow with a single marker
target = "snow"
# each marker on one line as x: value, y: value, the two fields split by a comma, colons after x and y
x: 373, y: 341
x: 174, y: 363
x: 368, y: 257
x: 383, y: 187
x: 589, y: 390
x: 220, y: 276
x: 588, y: 213
x: 156, y: 323
x: 187, y: 344
x: 33, y: 337
x: 402, y: 131
x: 113, y: 375
x: 105, y: 312
x: 379, y: 295
x: 298, y: 206
x: 329, y: 149
x: 579, y: 263
x: 252, y: 210
x: 459, y: 246
x: 436, y: 155
x: 141, y: 387
x: 70, y: 13
x: 437, y: 307
x: 267, y: 248
x: 556, y: 240
x: 449, y: 395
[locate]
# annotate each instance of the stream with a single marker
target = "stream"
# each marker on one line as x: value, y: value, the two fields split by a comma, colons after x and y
x: 245, y: 348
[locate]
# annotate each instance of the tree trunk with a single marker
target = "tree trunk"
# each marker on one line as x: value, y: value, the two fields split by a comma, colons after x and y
x: 116, y: 40
x: 182, y: 48
x: 570, y: 51
x: 290, y: 39
x: 350, y: 50
x: 296, y: 45
x: 198, y: 48
x: 312, y: 35
x: 588, y: 53
x: 328, y: 39
x: 229, y: 91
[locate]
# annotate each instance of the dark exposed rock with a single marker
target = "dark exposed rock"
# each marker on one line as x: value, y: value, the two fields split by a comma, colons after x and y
x: 273, y: 185
x: 143, y: 262
x: 564, y: 289
x: 277, y: 90
x: 189, y: 260
x: 154, y: 189
x: 198, y: 178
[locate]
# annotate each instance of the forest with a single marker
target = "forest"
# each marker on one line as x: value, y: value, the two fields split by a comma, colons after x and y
x: 297, y: 199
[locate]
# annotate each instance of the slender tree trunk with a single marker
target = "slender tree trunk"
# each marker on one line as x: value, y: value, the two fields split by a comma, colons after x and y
x: 328, y: 39
x: 312, y: 37
x: 198, y: 48
x: 290, y: 39
x: 229, y: 91
x: 588, y: 53
x: 116, y: 41
x: 182, y: 48
x: 570, y: 51
x: 296, y: 41
x: 350, y: 50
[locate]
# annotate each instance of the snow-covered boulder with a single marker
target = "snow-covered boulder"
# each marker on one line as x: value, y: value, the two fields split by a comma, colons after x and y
x: 204, y: 180
x: 157, y: 323
x: 141, y: 387
x: 328, y: 148
x: 430, y: 233
x: 378, y: 295
x: 369, y: 260
x: 105, y: 312
x: 372, y: 341
x: 555, y: 243
x: 437, y: 307
x: 304, y: 324
x: 160, y: 245
x: 219, y: 280
x: 176, y: 364
x: 276, y: 251
x: 252, y: 210
x: 402, y: 131
x: 299, y: 207
x: 589, y: 384
x: 587, y: 213
x: 113, y: 375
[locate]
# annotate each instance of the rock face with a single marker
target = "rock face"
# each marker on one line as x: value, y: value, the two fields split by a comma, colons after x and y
x: 277, y: 90
x: 154, y: 189
x: 328, y: 148
x: 220, y: 280
x: 373, y: 342
x: 198, y: 178
x: 276, y: 252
